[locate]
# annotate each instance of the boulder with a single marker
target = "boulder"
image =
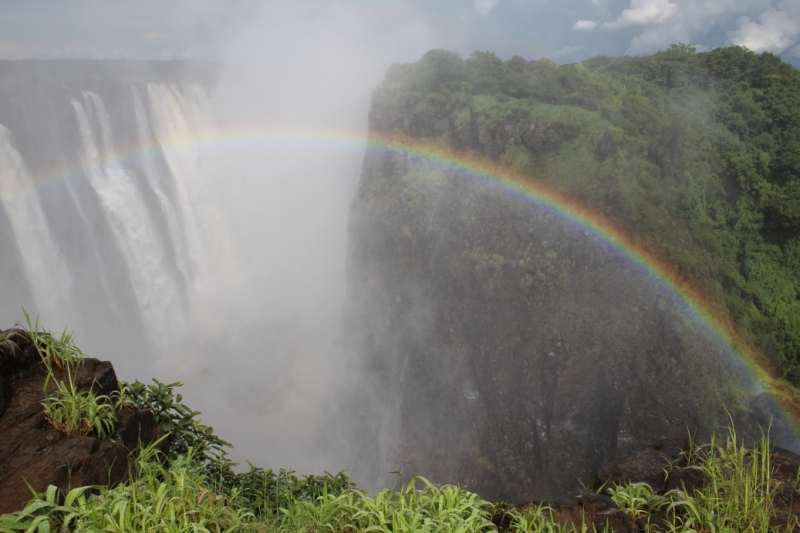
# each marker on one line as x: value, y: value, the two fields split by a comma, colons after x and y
x: 34, y: 455
x: 591, y: 510
x: 655, y: 465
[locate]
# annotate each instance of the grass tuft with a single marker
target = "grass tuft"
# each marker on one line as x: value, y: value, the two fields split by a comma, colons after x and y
x: 75, y: 412
x: 59, y: 352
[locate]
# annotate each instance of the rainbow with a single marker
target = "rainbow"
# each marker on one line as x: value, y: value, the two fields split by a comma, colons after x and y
x: 699, y: 307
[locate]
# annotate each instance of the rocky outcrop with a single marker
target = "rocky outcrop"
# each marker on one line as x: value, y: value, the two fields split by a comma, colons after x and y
x: 34, y: 455
x: 504, y: 343
x: 517, y: 353
x: 663, y: 466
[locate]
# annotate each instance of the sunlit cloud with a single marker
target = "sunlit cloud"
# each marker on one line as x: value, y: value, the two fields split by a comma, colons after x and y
x: 644, y: 12
x: 657, y: 38
x: 775, y: 31
x: 584, y: 25
x: 199, y: 29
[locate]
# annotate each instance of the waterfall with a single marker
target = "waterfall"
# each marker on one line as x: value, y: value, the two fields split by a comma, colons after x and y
x: 128, y: 217
x: 179, y: 119
x: 47, y: 277
x: 164, y: 188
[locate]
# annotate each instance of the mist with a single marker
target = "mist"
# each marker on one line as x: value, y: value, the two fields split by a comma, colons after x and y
x: 262, y: 350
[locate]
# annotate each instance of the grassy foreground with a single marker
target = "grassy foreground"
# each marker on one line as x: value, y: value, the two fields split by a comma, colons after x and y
x: 183, y: 495
x: 193, y: 488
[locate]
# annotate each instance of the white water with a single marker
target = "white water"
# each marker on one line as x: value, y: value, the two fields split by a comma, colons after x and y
x: 47, y: 276
x: 162, y: 186
x: 179, y: 120
x: 126, y: 214
x: 259, y: 323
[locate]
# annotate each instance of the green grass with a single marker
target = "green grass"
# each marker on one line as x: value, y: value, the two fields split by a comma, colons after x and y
x: 174, y: 499
x: 638, y: 500
x: 55, y: 351
x: 182, y: 496
x: 194, y: 487
x: 75, y: 412
x: 7, y: 342
x: 740, y: 492
x: 69, y: 410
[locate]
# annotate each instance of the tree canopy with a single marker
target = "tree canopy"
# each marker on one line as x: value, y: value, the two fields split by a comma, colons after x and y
x: 697, y: 153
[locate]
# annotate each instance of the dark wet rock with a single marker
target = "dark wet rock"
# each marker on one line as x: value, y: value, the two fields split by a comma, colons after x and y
x: 785, y: 465
x: 18, y: 359
x: 480, y: 319
x: 663, y: 466
x: 34, y: 455
x: 138, y: 429
x: 653, y: 465
x: 589, y: 509
x: 685, y: 479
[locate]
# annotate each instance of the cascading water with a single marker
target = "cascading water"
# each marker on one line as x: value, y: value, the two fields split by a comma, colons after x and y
x: 179, y: 119
x: 134, y: 233
x: 48, y: 280
x: 194, y: 259
x: 163, y: 188
x: 108, y: 227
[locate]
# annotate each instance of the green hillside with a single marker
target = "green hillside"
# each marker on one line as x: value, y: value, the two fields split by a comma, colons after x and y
x: 698, y: 154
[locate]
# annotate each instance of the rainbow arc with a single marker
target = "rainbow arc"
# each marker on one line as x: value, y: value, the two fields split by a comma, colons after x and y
x: 700, y: 308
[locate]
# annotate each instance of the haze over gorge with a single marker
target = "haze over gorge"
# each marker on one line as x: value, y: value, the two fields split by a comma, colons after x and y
x: 501, y: 274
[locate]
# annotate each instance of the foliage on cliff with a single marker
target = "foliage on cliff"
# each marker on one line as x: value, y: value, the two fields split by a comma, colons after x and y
x: 698, y: 154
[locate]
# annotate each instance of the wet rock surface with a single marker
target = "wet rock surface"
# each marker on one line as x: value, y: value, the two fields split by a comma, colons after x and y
x: 481, y: 320
x: 504, y: 344
x: 34, y: 455
x: 663, y: 466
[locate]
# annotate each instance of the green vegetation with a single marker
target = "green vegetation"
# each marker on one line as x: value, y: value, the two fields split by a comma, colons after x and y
x: 75, y: 412
x: 58, y: 352
x: 739, y: 495
x: 697, y: 154
x: 195, y: 488
x: 184, y: 494
x: 69, y: 410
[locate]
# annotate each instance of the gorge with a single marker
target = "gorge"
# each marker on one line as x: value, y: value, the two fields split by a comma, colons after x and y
x: 484, y: 337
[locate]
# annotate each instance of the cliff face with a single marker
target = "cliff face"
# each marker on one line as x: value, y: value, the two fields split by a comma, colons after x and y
x: 501, y: 347
x: 33, y: 453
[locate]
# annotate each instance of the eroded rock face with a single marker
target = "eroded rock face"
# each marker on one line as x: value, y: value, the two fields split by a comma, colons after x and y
x: 663, y: 466
x: 505, y: 349
x: 504, y: 346
x: 32, y: 453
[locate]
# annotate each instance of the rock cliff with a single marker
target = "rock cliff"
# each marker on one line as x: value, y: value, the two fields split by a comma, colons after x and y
x: 502, y: 347
x: 34, y: 455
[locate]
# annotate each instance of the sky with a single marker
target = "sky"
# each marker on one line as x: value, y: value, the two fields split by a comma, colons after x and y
x: 564, y: 31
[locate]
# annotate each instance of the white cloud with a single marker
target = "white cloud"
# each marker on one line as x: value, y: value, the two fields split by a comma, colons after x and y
x: 483, y: 7
x: 775, y: 31
x: 644, y: 12
x: 795, y: 52
x: 584, y: 25
x: 657, y: 38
